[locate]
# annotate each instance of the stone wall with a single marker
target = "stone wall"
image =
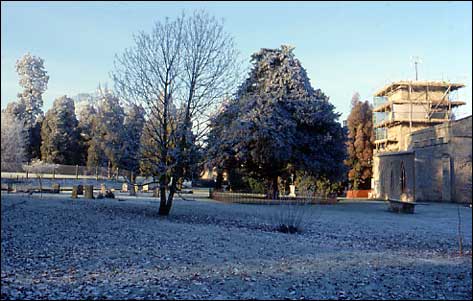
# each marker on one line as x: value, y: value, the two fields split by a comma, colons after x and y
x: 443, y: 162
x: 461, y: 150
x: 437, y: 163
x: 396, y: 176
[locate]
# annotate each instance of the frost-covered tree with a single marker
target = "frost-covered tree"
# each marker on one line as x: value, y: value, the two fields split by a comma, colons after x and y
x: 60, y: 133
x: 278, y: 124
x: 187, y: 64
x: 107, y: 132
x: 130, y: 149
x: 13, y: 139
x: 34, y: 80
x: 360, y: 143
x: 85, y: 116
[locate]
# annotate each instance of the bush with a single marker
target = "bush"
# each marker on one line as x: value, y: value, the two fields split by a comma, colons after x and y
x: 318, y: 187
x: 109, y: 194
x: 241, y: 182
x: 256, y: 186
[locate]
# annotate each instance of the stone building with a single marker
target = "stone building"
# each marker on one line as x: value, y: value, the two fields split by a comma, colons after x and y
x: 421, y: 153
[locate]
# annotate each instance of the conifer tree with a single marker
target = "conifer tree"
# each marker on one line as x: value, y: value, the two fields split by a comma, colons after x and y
x: 34, y: 80
x: 360, y: 144
x: 278, y: 124
x: 60, y: 133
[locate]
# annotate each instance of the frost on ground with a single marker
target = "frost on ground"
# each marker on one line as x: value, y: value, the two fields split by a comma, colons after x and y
x: 56, y: 248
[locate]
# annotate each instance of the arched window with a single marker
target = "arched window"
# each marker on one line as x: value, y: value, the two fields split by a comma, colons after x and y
x: 403, y: 178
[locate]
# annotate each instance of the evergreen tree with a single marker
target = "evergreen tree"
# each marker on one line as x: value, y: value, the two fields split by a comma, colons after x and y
x: 34, y: 80
x: 107, y: 133
x: 85, y: 116
x: 60, y: 134
x: 360, y: 144
x: 278, y: 124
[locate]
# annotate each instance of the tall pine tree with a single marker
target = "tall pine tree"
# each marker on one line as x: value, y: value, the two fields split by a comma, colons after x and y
x: 34, y: 80
x: 60, y: 134
x: 107, y: 132
x: 85, y: 115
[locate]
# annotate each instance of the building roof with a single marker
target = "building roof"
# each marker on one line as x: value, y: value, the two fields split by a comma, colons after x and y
x: 433, y: 84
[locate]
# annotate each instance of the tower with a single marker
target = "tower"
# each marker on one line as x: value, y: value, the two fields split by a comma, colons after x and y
x: 400, y: 109
x: 403, y: 107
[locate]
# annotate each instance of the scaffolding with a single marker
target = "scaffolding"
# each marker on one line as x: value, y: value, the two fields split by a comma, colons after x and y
x: 411, y: 104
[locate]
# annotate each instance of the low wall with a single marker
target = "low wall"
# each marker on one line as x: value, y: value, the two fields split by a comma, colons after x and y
x: 353, y: 194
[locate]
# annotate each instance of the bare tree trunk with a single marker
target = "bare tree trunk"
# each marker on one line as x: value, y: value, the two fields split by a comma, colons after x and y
x: 166, y: 201
x: 172, y: 191
x: 132, y: 189
x: 131, y: 182
x: 218, y: 183
x: 273, y: 189
x: 162, y: 195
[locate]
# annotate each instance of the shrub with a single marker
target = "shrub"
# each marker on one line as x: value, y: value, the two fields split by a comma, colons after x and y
x: 289, y: 216
x: 318, y: 187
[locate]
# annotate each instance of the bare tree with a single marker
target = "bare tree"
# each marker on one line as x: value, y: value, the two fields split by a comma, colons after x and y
x: 177, y: 73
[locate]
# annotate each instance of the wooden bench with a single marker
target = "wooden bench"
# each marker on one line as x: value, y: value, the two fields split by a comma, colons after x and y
x: 401, y: 206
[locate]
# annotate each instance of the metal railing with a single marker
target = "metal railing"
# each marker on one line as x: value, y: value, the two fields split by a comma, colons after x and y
x: 255, y: 198
x: 10, y: 170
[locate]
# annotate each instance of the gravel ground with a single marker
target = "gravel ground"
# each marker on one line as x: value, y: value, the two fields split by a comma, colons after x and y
x: 59, y: 248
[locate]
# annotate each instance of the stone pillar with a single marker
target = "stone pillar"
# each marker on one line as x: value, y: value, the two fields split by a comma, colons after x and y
x: 292, y: 190
x: 103, y: 189
x: 89, y: 191
x: 74, y: 192
x: 56, y: 188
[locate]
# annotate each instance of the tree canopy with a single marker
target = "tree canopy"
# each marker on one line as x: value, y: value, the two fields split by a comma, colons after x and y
x: 278, y: 123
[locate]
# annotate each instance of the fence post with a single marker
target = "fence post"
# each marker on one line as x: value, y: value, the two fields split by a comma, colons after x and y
x: 54, y: 173
x: 27, y: 174
x: 77, y: 172
x: 118, y: 174
x: 96, y: 173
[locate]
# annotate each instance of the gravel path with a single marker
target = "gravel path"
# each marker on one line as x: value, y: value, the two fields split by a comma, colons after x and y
x: 55, y: 248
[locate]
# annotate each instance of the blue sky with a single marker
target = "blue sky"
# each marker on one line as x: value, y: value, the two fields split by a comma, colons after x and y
x: 344, y: 46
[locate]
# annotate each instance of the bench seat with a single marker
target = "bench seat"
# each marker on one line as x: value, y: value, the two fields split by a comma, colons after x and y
x: 401, y: 207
